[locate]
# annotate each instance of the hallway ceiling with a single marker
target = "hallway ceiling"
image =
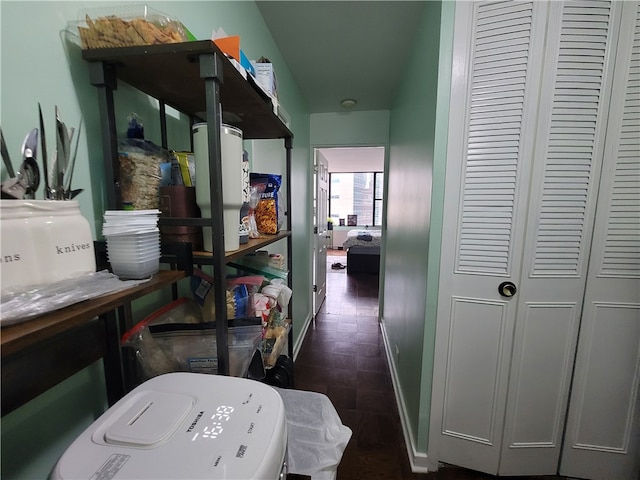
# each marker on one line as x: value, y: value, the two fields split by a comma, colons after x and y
x: 344, y: 49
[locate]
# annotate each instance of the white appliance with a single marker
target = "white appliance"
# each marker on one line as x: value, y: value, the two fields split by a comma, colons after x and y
x: 184, y: 426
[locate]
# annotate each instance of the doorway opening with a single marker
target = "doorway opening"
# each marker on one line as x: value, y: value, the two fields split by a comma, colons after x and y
x: 349, y: 194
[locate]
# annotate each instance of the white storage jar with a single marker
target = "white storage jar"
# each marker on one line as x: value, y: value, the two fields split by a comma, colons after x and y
x: 43, y: 241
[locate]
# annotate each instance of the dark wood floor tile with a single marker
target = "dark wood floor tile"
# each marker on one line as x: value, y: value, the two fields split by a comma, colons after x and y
x: 376, y: 430
x: 368, y: 301
x: 369, y: 328
x: 343, y: 398
x: 367, y: 319
x: 323, y: 342
x: 372, y: 364
x: 311, y: 374
x: 344, y: 318
x: 368, y: 338
x: 339, y: 309
x: 348, y: 467
x: 374, y: 381
x: 343, y: 378
x: 349, y: 418
x: 346, y: 347
x: 327, y: 321
x: 349, y: 328
x: 368, y: 349
x: 346, y: 361
x: 312, y: 358
x: 379, y: 401
x: 378, y: 466
x: 366, y: 312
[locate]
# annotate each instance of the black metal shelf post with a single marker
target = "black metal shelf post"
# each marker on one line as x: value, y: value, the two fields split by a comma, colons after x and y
x: 211, y: 71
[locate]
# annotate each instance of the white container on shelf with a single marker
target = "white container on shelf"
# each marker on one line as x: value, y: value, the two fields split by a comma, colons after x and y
x: 134, y: 255
x: 43, y: 241
x: 231, y: 151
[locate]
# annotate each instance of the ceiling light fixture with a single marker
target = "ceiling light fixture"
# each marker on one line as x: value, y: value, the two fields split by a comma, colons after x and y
x: 348, y: 103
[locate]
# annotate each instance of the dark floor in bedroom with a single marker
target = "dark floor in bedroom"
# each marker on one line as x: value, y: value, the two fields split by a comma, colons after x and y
x: 343, y: 357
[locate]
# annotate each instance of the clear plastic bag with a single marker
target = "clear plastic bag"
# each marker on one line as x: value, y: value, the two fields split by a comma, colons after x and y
x: 316, y: 436
x: 254, y: 198
x: 141, y: 172
x: 20, y: 305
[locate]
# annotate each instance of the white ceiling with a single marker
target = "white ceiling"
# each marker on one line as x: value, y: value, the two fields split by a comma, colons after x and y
x: 344, y: 49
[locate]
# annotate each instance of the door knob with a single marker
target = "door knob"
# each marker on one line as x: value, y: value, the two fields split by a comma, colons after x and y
x: 507, y: 289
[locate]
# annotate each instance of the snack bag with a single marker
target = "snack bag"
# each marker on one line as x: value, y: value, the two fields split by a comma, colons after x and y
x: 267, y: 212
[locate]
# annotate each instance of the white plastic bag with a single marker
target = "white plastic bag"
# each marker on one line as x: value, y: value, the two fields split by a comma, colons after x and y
x: 316, y: 437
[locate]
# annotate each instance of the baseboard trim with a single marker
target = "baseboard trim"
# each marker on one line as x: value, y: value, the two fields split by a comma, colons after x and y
x: 418, y: 460
x: 298, y: 344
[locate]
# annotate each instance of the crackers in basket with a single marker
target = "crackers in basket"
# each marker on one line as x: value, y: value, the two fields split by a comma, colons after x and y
x: 112, y: 31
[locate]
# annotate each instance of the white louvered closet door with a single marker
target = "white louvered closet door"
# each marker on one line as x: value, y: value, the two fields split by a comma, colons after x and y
x: 534, y: 81
x: 576, y: 84
x: 498, y: 57
x: 602, y: 439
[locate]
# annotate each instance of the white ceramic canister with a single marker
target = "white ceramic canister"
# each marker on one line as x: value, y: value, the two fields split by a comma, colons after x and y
x: 231, y: 151
x: 42, y: 242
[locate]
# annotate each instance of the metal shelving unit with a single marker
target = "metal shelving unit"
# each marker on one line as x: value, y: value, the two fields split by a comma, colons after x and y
x: 197, y: 79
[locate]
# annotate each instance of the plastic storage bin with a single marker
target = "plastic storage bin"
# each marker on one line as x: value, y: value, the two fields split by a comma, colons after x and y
x: 174, y: 339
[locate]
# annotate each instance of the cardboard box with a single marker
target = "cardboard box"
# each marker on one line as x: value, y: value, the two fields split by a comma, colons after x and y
x: 266, y: 78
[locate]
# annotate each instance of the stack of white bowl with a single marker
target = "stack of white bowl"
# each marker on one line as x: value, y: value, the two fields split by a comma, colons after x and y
x: 133, y: 242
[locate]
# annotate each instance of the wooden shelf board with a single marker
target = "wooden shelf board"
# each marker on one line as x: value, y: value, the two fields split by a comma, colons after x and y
x: 15, y: 338
x: 182, y: 87
x: 253, y: 245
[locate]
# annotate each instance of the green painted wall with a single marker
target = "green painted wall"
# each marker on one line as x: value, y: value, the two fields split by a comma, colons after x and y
x: 35, y: 435
x: 350, y: 128
x: 38, y: 64
x: 414, y: 223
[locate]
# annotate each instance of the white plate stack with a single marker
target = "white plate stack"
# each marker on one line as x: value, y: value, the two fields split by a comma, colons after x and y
x: 133, y: 242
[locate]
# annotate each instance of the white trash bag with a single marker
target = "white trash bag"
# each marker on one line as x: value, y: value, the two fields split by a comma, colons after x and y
x: 316, y: 436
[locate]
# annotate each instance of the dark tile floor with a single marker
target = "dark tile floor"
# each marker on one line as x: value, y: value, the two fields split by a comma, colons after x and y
x: 343, y: 357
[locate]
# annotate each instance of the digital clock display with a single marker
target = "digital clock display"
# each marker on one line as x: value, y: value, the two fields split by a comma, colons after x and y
x: 214, y: 428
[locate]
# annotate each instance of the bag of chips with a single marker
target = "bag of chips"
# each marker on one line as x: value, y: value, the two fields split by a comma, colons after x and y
x: 268, y: 214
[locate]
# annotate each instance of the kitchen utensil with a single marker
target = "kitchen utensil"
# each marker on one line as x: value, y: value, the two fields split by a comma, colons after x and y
x: 67, y: 189
x: 12, y: 189
x: 62, y: 156
x: 43, y: 145
x: 5, y: 156
x: 29, y: 173
x: 74, y: 193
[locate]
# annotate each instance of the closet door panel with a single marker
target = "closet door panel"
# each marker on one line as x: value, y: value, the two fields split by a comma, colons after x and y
x: 576, y: 82
x: 537, y: 394
x: 494, y: 99
x: 603, y: 426
x: 471, y: 379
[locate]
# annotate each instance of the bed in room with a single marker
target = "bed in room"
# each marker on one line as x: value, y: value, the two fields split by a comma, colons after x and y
x: 363, y: 250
